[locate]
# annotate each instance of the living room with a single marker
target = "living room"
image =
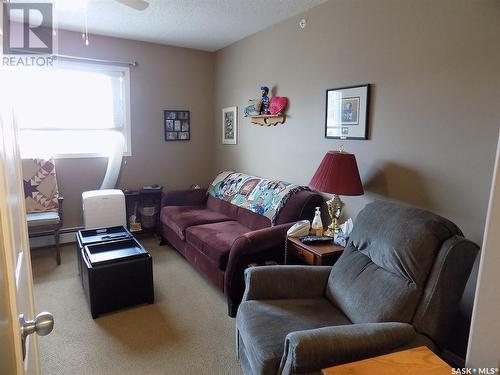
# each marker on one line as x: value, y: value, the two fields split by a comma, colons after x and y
x: 430, y: 141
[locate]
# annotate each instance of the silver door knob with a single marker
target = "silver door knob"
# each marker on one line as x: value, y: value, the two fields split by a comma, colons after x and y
x: 42, y: 325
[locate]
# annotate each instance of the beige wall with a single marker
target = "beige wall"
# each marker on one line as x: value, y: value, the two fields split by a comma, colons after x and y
x: 166, y: 78
x: 434, y: 118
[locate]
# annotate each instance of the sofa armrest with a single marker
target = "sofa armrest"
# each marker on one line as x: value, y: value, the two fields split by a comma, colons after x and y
x: 249, y: 246
x: 260, y: 240
x: 253, y: 247
x: 256, y: 246
x: 315, y: 349
x: 283, y: 282
x: 188, y: 197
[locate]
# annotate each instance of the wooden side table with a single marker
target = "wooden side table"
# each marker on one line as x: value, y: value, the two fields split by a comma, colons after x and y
x: 409, y: 362
x: 315, y: 254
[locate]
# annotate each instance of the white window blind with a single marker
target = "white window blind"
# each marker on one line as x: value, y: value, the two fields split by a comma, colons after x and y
x: 72, y: 110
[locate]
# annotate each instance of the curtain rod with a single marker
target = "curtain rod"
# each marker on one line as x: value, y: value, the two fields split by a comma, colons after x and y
x: 87, y: 59
x: 83, y: 59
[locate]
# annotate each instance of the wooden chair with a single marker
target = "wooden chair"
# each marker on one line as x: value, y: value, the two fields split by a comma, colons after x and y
x: 44, y: 213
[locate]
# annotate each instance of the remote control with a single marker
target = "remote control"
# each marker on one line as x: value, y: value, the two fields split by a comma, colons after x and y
x: 312, y: 239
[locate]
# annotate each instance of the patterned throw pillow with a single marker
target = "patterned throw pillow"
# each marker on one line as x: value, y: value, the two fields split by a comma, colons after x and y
x: 40, y: 185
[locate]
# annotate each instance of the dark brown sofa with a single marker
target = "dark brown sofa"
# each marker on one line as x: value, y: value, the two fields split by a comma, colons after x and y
x: 221, y: 239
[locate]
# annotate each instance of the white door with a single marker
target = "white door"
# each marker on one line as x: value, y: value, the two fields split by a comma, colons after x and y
x: 484, y: 338
x: 16, y: 283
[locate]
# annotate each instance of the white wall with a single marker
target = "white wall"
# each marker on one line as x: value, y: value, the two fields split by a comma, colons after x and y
x: 484, y: 340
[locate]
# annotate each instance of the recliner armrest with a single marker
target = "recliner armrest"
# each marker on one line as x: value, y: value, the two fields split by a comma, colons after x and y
x: 187, y: 197
x: 283, y: 282
x: 315, y: 349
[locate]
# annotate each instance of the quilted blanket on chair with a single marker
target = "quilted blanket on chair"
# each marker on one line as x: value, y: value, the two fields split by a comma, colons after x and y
x: 40, y: 185
x: 259, y: 195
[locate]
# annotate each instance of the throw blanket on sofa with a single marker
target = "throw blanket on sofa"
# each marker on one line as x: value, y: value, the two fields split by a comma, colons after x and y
x: 262, y: 196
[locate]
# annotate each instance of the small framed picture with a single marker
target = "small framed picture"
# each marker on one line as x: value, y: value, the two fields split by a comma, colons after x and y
x: 171, y: 136
x: 170, y: 125
x: 229, y: 125
x: 184, y: 136
x: 346, y: 114
x: 176, y: 125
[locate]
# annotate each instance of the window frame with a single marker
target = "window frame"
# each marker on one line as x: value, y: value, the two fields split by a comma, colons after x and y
x: 125, y: 130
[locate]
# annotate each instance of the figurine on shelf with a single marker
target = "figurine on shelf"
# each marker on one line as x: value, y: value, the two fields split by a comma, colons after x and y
x: 253, y: 107
x: 265, y: 100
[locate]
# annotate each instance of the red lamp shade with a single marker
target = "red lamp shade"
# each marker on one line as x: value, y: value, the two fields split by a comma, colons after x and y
x: 338, y: 174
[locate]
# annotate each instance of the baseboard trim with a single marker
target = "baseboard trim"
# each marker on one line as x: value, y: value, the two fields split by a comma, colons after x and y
x: 66, y: 236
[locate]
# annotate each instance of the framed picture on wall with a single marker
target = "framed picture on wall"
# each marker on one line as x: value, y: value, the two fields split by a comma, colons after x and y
x: 176, y: 125
x: 229, y: 125
x: 346, y: 114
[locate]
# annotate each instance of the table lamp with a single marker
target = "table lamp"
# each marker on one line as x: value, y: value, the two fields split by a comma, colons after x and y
x: 338, y: 175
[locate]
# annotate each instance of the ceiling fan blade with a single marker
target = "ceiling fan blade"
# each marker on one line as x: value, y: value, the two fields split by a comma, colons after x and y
x: 136, y: 4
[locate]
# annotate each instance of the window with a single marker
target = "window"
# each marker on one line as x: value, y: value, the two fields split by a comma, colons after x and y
x: 72, y: 110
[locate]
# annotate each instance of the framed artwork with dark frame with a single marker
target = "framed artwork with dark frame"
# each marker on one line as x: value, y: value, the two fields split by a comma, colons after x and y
x: 176, y: 125
x: 346, y: 114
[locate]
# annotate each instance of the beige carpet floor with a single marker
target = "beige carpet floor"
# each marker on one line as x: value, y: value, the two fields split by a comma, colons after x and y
x: 186, y: 330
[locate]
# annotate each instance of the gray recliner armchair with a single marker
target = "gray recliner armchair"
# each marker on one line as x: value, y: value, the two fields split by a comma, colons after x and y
x: 397, y: 285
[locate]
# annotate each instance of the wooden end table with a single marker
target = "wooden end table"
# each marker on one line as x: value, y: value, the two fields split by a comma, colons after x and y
x: 415, y: 361
x: 314, y: 254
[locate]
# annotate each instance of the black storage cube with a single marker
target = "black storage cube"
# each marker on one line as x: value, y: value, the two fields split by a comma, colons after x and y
x: 116, y: 274
x: 92, y: 236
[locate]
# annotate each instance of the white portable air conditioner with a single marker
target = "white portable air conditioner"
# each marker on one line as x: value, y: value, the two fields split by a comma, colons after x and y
x: 103, y: 208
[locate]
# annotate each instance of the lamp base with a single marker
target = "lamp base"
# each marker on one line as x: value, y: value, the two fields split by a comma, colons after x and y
x: 329, y: 232
x: 335, y: 206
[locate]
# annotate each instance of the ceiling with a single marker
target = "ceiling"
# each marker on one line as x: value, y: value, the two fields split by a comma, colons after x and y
x: 201, y: 24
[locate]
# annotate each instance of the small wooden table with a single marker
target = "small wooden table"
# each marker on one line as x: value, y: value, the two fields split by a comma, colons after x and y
x: 415, y: 361
x: 315, y: 254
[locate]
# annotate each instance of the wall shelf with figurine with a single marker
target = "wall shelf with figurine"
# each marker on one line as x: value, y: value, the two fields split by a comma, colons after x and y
x: 268, y: 120
x: 265, y: 111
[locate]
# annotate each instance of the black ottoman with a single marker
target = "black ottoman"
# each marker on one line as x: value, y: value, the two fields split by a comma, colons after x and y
x: 116, y: 274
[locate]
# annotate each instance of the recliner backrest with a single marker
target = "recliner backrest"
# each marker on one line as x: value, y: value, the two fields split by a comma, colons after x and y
x: 384, y: 269
x: 439, y: 305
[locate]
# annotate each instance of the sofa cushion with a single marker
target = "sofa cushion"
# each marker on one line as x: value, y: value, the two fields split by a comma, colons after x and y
x: 223, y: 207
x: 383, y: 270
x: 252, y: 220
x: 178, y: 218
x: 264, y: 339
x: 215, y: 240
x: 245, y: 217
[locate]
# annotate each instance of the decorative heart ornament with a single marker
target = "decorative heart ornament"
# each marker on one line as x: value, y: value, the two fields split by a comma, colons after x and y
x: 278, y: 104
